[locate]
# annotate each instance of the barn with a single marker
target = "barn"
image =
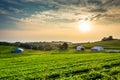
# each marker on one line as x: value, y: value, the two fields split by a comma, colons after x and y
x: 97, y: 48
x: 18, y: 50
x: 80, y: 48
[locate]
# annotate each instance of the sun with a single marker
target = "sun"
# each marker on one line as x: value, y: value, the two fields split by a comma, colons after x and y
x: 84, y: 26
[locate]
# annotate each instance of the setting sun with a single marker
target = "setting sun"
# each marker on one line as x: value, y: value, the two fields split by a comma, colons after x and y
x: 85, y: 26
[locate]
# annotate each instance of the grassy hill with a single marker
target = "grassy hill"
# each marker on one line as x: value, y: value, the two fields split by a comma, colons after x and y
x: 56, y: 65
x: 112, y: 44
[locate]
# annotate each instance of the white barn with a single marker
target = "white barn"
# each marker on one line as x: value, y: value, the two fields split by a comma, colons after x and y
x: 80, y: 48
x: 97, y: 48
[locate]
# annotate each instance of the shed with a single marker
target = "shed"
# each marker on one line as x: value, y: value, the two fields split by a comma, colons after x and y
x: 80, y: 48
x: 18, y: 50
x: 97, y: 48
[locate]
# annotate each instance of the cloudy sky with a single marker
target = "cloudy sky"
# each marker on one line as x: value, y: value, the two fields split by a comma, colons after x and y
x: 58, y: 20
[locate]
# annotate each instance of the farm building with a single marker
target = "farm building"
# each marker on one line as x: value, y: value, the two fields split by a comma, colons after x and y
x: 18, y: 50
x: 80, y: 48
x: 97, y: 48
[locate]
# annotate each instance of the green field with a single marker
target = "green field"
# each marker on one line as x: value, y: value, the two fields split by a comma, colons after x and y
x: 56, y: 65
x: 111, y: 44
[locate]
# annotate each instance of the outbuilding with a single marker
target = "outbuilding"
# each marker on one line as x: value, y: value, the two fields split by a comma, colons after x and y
x: 97, y: 48
x: 80, y: 48
x: 18, y: 50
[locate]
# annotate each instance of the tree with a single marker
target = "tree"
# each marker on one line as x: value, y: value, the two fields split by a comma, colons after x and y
x: 107, y: 38
x: 64, y: 46
x: 47, y: 47
x: 104, y: 39
x: 110, y: 38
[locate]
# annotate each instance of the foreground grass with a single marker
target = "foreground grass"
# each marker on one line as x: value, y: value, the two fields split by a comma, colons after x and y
x: 55, y: 65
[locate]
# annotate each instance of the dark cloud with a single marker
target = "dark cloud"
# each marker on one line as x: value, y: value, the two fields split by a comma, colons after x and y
x: 96, y: 2
x: 98, y: 10
x: 96, y: 17
x: 106, y: 18
x: 112, y: 3
x: 91, y: 9
x: 3, y: 12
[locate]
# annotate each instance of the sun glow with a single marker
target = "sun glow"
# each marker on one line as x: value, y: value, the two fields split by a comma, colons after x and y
x: 85, y: 26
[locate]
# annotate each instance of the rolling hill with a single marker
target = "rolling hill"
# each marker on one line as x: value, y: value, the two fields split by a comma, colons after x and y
x: 111, y: 44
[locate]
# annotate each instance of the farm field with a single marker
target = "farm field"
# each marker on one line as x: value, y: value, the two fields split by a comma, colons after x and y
x: 56, y: 65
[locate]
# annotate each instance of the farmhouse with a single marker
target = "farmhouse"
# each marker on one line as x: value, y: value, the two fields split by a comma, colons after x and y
x: 97, y: 48
x: 80, y: 48
x: 18, y: 50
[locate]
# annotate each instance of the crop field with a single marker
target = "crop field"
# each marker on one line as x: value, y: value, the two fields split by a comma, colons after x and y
x: 56, y: 65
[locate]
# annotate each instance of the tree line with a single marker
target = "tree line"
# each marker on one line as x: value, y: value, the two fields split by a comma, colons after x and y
x: 43, y: 46
x: 47, y: 46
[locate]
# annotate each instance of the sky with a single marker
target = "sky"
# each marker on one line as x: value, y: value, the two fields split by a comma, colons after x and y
x: 59, y: 20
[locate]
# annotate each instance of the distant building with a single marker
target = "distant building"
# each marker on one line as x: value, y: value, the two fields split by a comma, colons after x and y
x: 18, y: 50
x: 80, y: 48
x: 97, y: 48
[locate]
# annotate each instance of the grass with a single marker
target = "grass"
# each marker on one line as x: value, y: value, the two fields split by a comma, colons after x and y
x: 56, y: 65
x: 112, y: 44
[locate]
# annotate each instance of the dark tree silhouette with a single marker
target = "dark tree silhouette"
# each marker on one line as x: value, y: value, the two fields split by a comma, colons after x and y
x: 107, y: 38
x: 110, y: 38
x: 64, y: 46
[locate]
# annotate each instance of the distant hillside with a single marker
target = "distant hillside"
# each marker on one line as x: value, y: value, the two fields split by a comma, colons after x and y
x: 112, y: 44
